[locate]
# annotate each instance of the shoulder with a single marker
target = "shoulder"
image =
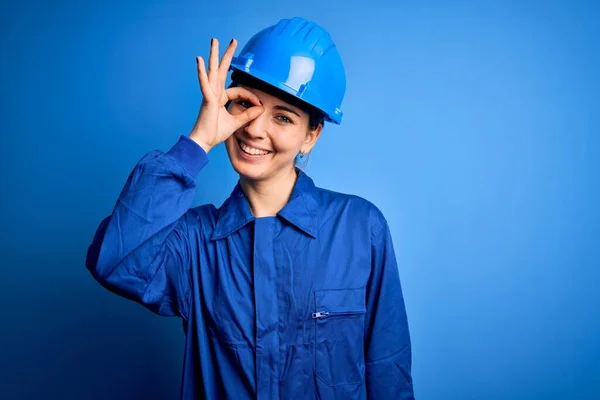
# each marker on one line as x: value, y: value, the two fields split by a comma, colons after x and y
x: 203, y: 217
x: 362, y: 211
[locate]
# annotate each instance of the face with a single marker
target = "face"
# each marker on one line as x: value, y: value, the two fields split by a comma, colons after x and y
x: 267, y: 146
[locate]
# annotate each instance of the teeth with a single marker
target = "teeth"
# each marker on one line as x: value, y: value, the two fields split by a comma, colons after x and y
x: 252, y: 151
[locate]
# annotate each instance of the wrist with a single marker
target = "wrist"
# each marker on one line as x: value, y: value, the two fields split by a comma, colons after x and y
x: 206, y: 147
x: 189, y: 154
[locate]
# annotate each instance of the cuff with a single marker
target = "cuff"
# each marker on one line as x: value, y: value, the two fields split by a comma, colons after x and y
x: 189, y: 154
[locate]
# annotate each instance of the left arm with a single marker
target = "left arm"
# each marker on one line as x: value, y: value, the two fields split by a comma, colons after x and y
x: 388, y: 355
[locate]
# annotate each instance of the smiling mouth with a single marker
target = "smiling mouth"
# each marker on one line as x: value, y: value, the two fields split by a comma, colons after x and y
x: 252, y: 151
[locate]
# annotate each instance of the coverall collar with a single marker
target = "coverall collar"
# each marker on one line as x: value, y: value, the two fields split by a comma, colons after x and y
x: 300, y: 210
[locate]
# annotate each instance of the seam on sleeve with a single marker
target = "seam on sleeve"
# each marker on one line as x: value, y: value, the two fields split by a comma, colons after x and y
x: 378, y: 232
x: 162, y: 266
x: 377, y: 215
x: 390, y: 356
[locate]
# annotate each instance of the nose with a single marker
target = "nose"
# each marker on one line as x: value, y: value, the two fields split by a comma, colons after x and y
x: 256, y: 128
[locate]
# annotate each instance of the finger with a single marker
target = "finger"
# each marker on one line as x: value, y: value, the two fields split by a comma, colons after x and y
x: 241, y: 93
x: 247, y: 116
x: 204, y: 84
x: 213, y: 61
x: 226, y: 61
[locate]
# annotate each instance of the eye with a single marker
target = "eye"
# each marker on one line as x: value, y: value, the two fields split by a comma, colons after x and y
x: 284, y: 119
x: 245, y: 103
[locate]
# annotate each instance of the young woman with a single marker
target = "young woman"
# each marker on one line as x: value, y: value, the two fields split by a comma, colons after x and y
x: 287, y: 291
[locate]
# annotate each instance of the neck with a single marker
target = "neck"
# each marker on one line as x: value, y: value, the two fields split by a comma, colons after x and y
x: 268, y: 197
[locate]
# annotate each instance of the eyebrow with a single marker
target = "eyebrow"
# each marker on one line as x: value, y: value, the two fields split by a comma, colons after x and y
x: 284, y: 108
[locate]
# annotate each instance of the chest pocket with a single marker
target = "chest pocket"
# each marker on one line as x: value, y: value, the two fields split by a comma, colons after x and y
x: 339, y: 336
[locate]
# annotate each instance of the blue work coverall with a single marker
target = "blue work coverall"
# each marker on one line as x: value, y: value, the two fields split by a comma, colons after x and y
x: 303, y: 305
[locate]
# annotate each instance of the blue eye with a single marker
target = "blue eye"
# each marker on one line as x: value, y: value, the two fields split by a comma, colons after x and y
x: 244, y: 103
x: 284, y: 119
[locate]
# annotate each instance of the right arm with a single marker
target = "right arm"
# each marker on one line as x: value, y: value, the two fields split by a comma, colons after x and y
x: 142, y: 251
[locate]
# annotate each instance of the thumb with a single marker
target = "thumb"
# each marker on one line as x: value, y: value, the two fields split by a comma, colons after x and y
x: 248, y: 115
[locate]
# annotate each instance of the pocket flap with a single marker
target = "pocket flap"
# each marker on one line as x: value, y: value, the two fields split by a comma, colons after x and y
x: 341, y: 300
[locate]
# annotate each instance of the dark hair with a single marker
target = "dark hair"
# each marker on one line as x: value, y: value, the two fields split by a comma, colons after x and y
x: 315, y: 116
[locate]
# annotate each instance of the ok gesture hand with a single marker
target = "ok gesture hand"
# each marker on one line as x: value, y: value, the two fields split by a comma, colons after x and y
x: 214, y: 123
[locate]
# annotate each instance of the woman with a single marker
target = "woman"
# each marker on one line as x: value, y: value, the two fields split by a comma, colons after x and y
x: 287, y: 290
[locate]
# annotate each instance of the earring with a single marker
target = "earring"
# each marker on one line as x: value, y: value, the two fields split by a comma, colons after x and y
x: 301, y: 155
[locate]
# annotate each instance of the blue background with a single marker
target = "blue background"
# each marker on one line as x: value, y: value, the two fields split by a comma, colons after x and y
x: 472, y: 125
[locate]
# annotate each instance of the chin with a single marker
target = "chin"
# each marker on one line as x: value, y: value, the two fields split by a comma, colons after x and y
x: 251, y: 172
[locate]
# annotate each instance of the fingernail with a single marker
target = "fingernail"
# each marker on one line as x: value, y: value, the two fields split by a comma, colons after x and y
x: 212, y: 41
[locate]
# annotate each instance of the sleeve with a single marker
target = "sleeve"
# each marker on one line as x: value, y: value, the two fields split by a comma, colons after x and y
x: 388, y: 355
x: 141, y: 251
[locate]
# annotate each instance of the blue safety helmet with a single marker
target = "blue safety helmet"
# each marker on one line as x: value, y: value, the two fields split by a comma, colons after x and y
x: 298, y: 57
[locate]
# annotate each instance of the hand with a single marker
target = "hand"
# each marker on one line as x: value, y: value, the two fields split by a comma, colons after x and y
x: 214, y: 123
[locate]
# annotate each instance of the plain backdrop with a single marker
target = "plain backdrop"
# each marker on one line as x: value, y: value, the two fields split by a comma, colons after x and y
x: 474, y: 127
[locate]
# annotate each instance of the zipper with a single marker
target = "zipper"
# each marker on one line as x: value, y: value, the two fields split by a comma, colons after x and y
x: 325, y: 314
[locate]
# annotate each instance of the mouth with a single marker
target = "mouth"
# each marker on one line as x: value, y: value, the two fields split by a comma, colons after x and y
x: 250, y: 151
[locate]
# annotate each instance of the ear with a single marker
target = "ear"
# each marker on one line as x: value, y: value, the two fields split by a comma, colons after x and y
x: 311, y: 139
